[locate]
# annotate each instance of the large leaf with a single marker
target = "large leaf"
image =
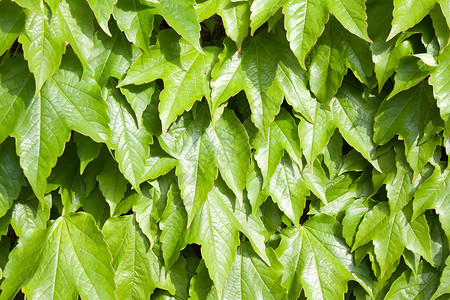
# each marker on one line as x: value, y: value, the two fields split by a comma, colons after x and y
x: 185, y: 72
x: 314, y: 259
x: 131, y: 254
x: 59, y: 265
x: 12, y: 21
x: 43, y: 46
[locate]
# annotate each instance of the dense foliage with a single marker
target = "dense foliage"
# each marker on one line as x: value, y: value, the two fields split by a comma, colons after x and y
x: 224, y: 149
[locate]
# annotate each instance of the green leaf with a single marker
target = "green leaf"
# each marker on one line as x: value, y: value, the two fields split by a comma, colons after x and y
x: 288, y: 190
x: 432, y: 194
x: 411, y: 114
x: 187, y: 140
x: 242, y: 70
x: 130, y: 142
x: 33, y: 5
x: 315, y: 258
x: 353, y: 116
x: 102, y: 10
x: 407, y: 14
x: 139, y: 98
x: 110, y: 56
x: 441, y: 87
x: 75, y: 20
x: 315, y: 135
x: 235, y: 17
x: 213, y: 229
x: 43, y: 46
x: 28, y: 215
x: 440, y: 26
x: 251, y: 278
x: 131, y: 254
x: 181, y: 16
x: 201, y: 286
x: 11, y: 176
x: 12, y: 22
x: 185, y: 71
x: 59, y: 266
x: 410, y: 71
x: 87, y: 150
x: 444, y: 286
x: 16, y: 91
x: 173, y: 227
x: 352, y: 15
x: 261, y: 11
x: 136, y: 20
x: 304, y: 22
x: 420, y: 286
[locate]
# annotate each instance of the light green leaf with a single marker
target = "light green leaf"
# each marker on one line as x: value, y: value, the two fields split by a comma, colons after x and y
x: 440, y: 25
x: 353, y: 116
x: 304, y: 22
x: 410, y: 71
x: 173, y: 227
x: 251, y: 278
x: 132, y: 255
x: 181, y: 16
x: 444, y: 286
x: 213, y: 229
x: 420, y: 286
x: 185, y: 71
x: 408, y: 13
x: 139, y: 97
x: 102, y: 10
x: 352, y: 15
x: 156, y: 166
x: 57, y: 266
x: 419, y: 155
x: 43, y: 46
x: 12, y: 22
x: 385, y: 55
x: 16, y: 91
x: 187, y: 140
x: 235, y: 17
x: 130, y: 142
x: 110, y: 56
x: 433, y: 194
x: 315, y: 179
x: 28, y: 215
x: 242, y: 70
x: 315, y: 135
x: 288, y: 189
x: 373, y: 222
x: 315, y: 258
x: 136, y: 20
x: 411, y: 114
x: 87, y: 150
x: 22, y: 262
x: 76, y: 23
x: 232, y: 151
x: 36, y: 6
x: 261, y: 11
x: 11, y: 176
x: 201, y: 286
x: 441, y: 87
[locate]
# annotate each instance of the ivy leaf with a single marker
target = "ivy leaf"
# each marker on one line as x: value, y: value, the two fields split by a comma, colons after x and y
x: 352, y: 15
x: 407, y: 14
x: 43, y: 47
x: 288, y: 190
x: 131, y: 252
x: 441, y: 87
x: 315, y: 258
x: 235, y: 16
x: 76, y: 23
x: 201, y: 286
x: 129, y: 141
x: 422, y: 285
x: 411, y: 114
x: 16, y: 91
x: 353, y: 116
x: 185, y: 72
x: 261, y: 11
x: 110, y: 56
x: 187, y: 141
x: 136, y: 20
x: 11, y: 176
x: 251, y: 277
x: 242, y: 70
x: 139, y: 97
x: 444, y: 284
x: 12, y: 22
x: 102, y: 10
x: 67, y: 236
x: 33, y: 5
x: 28, y: 215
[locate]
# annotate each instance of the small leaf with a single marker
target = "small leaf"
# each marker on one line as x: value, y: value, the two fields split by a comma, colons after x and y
x: 102, y: 10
